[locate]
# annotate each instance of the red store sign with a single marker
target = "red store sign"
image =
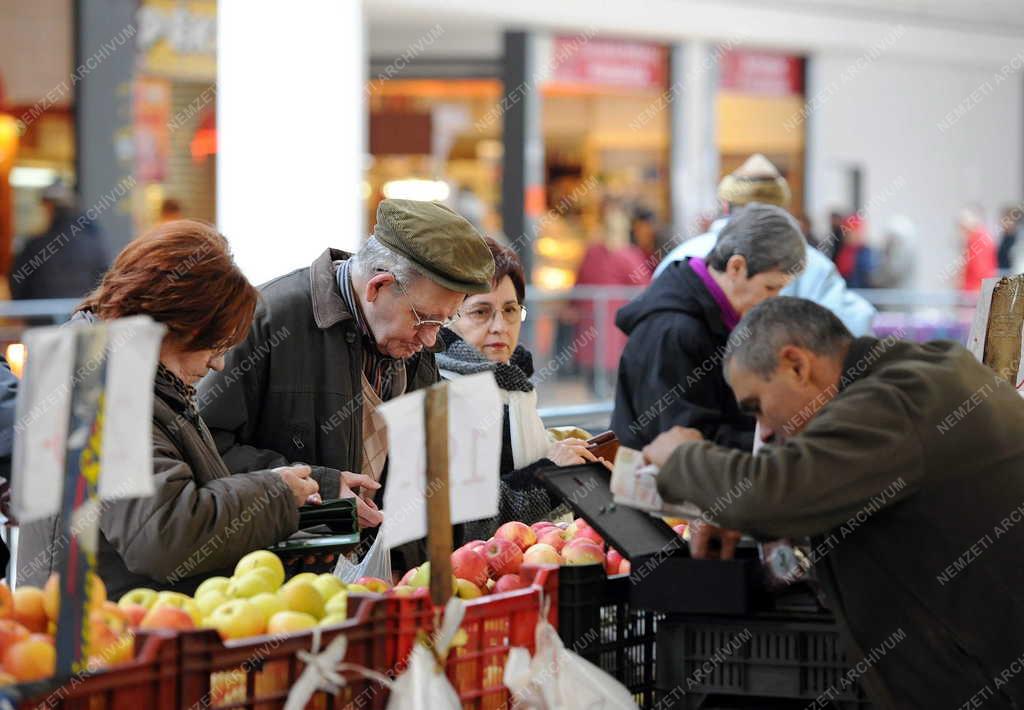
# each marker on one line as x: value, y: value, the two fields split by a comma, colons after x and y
x: 593, y: 62
x: 764, y: 73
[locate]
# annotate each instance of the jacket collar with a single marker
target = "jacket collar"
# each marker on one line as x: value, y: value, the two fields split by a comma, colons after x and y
x: 328, y: 306
x: 864, y: 355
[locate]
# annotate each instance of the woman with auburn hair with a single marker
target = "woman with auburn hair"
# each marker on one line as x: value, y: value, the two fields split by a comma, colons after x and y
x: 202, y: 518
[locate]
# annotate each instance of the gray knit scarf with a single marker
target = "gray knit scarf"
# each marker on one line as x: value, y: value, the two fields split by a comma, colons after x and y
x: 462, y: 358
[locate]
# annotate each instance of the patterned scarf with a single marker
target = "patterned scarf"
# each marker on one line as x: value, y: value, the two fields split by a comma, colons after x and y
x: 166, y: 381
x: 463, y: 359
x: 377, y: 367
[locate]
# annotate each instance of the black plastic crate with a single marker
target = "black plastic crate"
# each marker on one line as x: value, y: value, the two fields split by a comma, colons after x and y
x: 596, y: 621
x: 754, y: 662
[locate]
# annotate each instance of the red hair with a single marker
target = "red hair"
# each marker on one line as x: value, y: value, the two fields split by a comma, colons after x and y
x: 181, y: 274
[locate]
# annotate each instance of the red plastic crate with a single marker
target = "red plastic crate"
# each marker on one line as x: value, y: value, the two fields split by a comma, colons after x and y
x: 149, y: 682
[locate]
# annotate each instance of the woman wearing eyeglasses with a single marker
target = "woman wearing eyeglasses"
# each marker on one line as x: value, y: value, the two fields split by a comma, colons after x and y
x: 484, y: 338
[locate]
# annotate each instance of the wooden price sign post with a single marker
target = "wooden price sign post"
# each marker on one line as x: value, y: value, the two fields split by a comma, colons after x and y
x: 439, y: 514
x: 82, y: 437
x: 444, y: 446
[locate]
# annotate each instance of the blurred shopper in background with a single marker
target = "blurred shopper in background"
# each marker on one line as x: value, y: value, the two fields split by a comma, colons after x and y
x: 833, y: 244
x: 170, y: 210
x: 671, y: 370
x: 808, y: 231
x: 485, y: 338
x: 610, y: 260
x: 758, y: 180
x: 856, y: 260
x: 67, y: 259
x: 643, y: 236
x: 979, y: 258
x: 894, y: 267
x: 1010, y: 224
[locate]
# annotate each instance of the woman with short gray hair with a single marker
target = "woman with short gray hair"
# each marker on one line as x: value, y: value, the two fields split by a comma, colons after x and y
x: 671, y: 369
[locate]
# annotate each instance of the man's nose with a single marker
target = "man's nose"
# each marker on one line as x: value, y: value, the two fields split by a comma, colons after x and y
x: 428, y: 335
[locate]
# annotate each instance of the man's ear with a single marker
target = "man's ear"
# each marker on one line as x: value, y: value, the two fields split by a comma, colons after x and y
x: 374, y: 285
x: 736, y: 267
x: 796, y: 362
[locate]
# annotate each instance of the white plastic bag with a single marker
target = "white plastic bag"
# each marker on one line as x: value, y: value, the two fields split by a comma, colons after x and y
x: 558, y: 679
x: 375, y: 563
x: 424, y: 685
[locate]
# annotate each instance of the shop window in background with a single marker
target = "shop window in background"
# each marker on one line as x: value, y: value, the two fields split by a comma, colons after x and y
x: 761, y: 110
x: 174, y: 135
x: 436, y: 139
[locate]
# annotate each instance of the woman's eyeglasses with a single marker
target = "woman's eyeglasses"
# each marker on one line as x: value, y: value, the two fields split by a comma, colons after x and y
x: 511, y: 313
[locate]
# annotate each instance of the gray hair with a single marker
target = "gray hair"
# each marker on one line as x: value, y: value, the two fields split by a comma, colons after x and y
x: 766, y: 236
x: 374, y: 257
x: 773, y: 324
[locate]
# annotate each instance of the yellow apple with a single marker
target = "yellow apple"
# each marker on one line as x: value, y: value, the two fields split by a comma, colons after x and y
x: 464, y: 589
x: 219, y: 584
x: 328, y: 585
x: 268, y: 604
x: 249, y: 584
x: 333, y: 620
x: 356, y: 588
x: 210, y: 600
x: 337, y: 605
x: 262, y: 559
x: 181, y: 601
x: 403, y: 590
x: 288, y: 622
x: 237, y: 618
x: 301, y: 577
x: 302, y: 596
x: 141, y: 596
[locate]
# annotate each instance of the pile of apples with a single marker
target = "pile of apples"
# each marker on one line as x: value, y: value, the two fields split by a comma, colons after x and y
x: 492, y: 566
x: 28, y: 624
x: 254, y: 601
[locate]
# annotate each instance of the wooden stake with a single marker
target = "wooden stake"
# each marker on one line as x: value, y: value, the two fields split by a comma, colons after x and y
x: 439, y: 516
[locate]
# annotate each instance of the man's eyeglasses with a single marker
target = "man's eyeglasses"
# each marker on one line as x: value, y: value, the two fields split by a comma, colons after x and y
x: 422, y: 323
x: 511, y: 313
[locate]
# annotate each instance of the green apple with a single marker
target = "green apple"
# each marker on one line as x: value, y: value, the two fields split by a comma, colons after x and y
x: 237, y: 618
x: 219, y: 584
x: 288, y: 622
x: 337, y: 605
x: 302, y: 596
x: 210, y: 600
x: 141, y: 596
x: 249, y: 584
x: 182, y: 601
x: 328, y: 585
x: 268, y: 604
x: 262, y: 559
x: 421, y: 577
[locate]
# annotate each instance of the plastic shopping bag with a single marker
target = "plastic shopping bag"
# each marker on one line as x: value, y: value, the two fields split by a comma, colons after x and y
x: 558, y: 679
x: 424, y: 685
x: 375, y: 563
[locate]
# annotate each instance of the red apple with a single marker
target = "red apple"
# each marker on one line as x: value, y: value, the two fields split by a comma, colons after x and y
x: 508, y: 583
x: 516, y: 532
x: 680, y: 529
x: 503, y: 557
x: 470, y: 565
x: 167, y: 617
x: 541, y: 524
x: 474, y: 545
x: 582, y: 552
x: 624, y: 567
x: 134, y: 613
x: 556, y: 537
x: 374, y: 584
x: 541, y: 554
x: 584, y: 531
x: 612, y: 561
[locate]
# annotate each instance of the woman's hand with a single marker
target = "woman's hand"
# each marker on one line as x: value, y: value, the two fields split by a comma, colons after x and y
x: 568, y: 452
x: 299, y: 482
x: 367, y: 511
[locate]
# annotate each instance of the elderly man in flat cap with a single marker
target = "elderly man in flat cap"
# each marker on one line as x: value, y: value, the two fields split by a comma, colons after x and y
x: 757, y: 180
x: 331, y: 342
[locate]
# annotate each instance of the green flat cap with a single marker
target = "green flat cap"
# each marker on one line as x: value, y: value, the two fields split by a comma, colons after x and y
x: 439, y: 241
